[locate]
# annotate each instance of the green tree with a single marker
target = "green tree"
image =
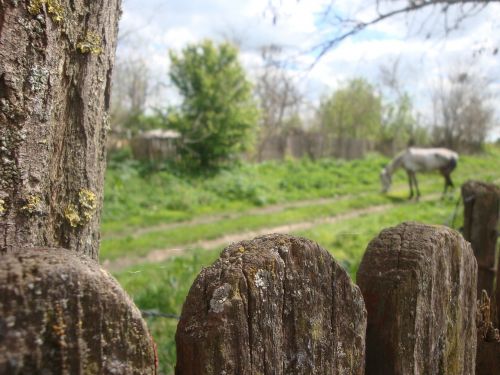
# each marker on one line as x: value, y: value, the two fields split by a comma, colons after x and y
x: 218, y: 116
x: 400, y: 125
x: 354, y: 111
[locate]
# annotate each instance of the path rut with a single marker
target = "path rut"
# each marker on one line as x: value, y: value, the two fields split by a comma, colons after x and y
x: 163, y: 254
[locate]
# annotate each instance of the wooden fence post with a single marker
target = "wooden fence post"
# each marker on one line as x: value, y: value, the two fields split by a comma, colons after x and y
x: 61, y: 313
x: 488, y: 339
x: 419, y: 286
x: 274, y: 305
x: 481, y: 211
x: 481, y: 218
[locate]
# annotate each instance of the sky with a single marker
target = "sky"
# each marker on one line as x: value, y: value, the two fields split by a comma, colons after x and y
x: 424, y: 52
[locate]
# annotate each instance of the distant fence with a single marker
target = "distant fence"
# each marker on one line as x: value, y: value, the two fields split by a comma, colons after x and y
x: 314, y: 145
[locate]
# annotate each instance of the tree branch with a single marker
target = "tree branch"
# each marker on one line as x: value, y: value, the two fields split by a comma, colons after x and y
x: 355, y: 26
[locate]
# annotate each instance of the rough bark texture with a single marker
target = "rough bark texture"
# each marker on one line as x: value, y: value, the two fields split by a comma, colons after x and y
x: 60, y: 313
x: 419, y: 286
x: 56, y: 58
x: 488, y: 339
x: 274, y: 305
x: 481, y: 211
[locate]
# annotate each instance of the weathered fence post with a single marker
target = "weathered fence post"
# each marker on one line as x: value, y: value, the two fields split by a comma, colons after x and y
x: 61, y: 313
x: 481, y: 211
x: 488, y: 339
x: 419, y: 286
x: 274, y: 305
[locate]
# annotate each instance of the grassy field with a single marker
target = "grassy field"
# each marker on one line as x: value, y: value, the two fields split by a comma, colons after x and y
x: 142, y: 213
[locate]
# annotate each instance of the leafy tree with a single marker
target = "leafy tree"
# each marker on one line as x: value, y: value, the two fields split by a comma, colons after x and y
x: 218, y: 115
x: 400, y: 126
x: 354, y: 111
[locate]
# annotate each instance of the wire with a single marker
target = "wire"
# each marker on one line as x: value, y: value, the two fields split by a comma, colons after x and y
x: 158, y: 314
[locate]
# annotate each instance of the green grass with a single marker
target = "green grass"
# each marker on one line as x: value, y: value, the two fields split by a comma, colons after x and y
x: 116, y: 244
x: 147, y: 202
x: 347, y: 240
x: 137, y: 198
x: 164, y: 286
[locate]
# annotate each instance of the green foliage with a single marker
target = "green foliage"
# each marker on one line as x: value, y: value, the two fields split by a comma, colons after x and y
x: 149, y: 201
x: 400, y: 125
x: 353, y: 111
x: 137, y: 122
x: 218, y: 115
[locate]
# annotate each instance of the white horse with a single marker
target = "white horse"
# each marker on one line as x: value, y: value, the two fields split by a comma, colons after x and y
x: 415, y: 160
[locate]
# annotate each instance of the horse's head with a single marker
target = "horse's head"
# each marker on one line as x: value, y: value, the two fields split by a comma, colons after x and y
x: 386, y: 180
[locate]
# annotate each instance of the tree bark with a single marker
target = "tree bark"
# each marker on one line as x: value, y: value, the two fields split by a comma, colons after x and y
x: 60, y: 313
x: 274, y: 305
x: 419, y: 286
x: 56, y: 58
x: 481, y: 218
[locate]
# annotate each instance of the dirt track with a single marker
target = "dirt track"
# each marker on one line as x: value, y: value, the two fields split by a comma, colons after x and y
x: 159, y: 255
x: 213, y: 218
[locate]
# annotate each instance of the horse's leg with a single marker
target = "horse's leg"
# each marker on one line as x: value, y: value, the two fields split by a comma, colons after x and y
x: 447, y: 181
x: 450, y: 182
x: 416, y: 185
x: 410, y: 182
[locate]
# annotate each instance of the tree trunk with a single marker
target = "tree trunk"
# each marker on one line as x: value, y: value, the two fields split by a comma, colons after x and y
x: 274, y: 305
x: 419, y: 286
x: 60, y: 313
x: 481, y: 218
x: 55, y: 71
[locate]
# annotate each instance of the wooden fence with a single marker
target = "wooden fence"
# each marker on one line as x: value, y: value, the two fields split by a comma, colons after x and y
x: 282, y: 305
x: 277, y: 304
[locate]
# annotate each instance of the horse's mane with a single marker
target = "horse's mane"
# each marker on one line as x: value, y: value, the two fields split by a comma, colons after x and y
x: 396, y: 162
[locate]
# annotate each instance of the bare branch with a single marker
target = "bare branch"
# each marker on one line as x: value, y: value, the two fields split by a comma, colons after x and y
x: 355, y: 26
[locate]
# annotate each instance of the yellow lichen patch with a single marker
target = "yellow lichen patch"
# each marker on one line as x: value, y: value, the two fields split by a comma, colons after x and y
x: 316, y: 330
x: 71, y: 214
x: 83, y: 211
x: 32, y: 204
x: 88, y: 204
x: 92, y: 43
x: 54, y: 8
x: 2, y: 206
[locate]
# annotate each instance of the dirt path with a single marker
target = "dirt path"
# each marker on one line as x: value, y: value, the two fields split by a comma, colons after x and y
x: 163, y: 254
x: 232, y: 215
